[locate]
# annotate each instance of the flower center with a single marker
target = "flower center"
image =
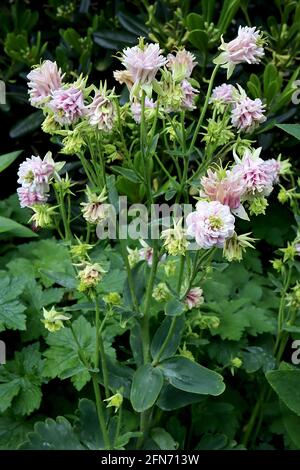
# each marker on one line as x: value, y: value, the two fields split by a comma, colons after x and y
x: 216, y: 222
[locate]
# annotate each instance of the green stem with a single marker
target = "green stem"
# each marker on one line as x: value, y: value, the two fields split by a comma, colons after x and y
x: 99, y: 351
x: 204, y: 109
x: 119, y: 423
x: 129, y: 275
x: 127, y: 155
x: 143, y: 152
x: 181, y: 271
x: 166, y: 341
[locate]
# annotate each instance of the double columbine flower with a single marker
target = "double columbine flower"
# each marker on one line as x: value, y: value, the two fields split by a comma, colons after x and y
x: 94, y: 210
x: 43, y: 81
x: 246, y: 47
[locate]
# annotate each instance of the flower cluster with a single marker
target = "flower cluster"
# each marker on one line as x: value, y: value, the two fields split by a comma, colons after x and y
x: 35, y: 175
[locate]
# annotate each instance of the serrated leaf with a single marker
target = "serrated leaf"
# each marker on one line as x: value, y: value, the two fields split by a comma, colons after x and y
x: 11, y: 309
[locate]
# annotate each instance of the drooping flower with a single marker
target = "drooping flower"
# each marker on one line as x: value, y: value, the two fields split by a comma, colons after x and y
x: 246, y: 113
x: 30, y: 196
x: 189, y: 94
x: 194, y: 298
x: 224, y: 186
x: 90, y: 276
x: 67, y: 105
x: 143, y: 61
x: 136, y: 108
x: 256, y: 173
x: 235, y: 246
x: 43, y: 80
x: 146, y: 252
x: 114, y: 401
x: 246, y: 47
x: 53, y: 320
x: 94, y: 211
x: 175, y: 241
x: 161, y: 292
x: 211, y: 224
x: 43, y: 215
x: 181, y: 64
x: 124, y: 76
x: 101, y: 112
x: 222, y: 94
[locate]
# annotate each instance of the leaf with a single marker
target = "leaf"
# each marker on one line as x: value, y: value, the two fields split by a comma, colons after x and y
x: 27, y: 125
x: 174, y: 307
x: 292, y: 424
x: 199, y: 39
x: 53, y: 435
x: 13, y: 431
x: 127, y: 173
x: 189, y: 376
x: 114, y: 40
x: 163, y: 439
x: 286, y: 384
x: 172, y: 398
x: 62, y: 279
x: 20, y: 381
x: 8, y: 158
x: 62, y: 356
x: 161, y: 335
x: 132, y: 25
x: 146, y: 385
x: 87, y: 425
x: 16, y: 229
x: 292, y: 129
x: 11, y: 309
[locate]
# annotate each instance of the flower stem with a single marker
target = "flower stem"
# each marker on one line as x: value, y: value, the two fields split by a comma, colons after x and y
x: 99, y: 351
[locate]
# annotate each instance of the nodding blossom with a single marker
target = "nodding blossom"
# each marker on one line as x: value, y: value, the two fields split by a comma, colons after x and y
x: 94, y: 211
x: 222, y: 94
x: 245, y: 48
x: 143, y: 62
x: 211, y: 224
x: 259, y: 175
x: 246, y: 113
x: 194, y: 298
x: 30, y: 196
x: 124, y: 76
x: 67, y: 105
x: 188, y: 95
x: 224, y: 186
x: 136, y: 108
x: 181, y: 64
x: 43, y: 81
x: 146, y: 253
x: 101, y: 112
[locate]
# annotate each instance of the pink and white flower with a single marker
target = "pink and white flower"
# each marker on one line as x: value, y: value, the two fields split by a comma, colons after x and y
x: 101, y: 112
x: 43, y: 80
x: 35, y: 172
x: 136, y: 108
x: 143, y: 62
x: 181, y: 64
x: 189, y: 95
x: 211, y: 224
x: 246, y: 114
x: 226, y: 187
x: 222, y: 94
x: 146, y: 253
x: 30, y: 196
x: 194, y: 298
x: 246, y: 47
x: 67, y: 105
x: 272, y: 168
x: 259, y: 175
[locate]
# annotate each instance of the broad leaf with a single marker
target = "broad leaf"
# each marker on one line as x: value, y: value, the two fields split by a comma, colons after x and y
x: 286, y: 383
x: 146, y: 385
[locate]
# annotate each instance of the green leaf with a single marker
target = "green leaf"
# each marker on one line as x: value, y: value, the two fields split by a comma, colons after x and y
x: 146, y: 385
x: 27, y: 125
x: 189, y: 376
x: 127, y: 173
x: 87, y: 426
x: 18, y: 230
x: 20, y: 381
x: 132, y: 25
x: 13, y: 431
x: 194, y: 21
x: 114, y: 40
x: 174, y: 307
x: 11, y: 309
x: 286, y: 383
x: 172, y: 398
x: 199, y: 39
x: 163, y: 439
x: 161, y: 335
x: 53, y: 435
x: 62, y: 279
x: 292, y: 129
x: 292, y: 424
x: 8, y: 159
x: 62, y: 356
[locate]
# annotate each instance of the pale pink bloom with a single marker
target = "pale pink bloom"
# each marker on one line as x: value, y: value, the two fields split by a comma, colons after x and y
x: 272, y: 168
x: 136, y: 108
x: 143, y: 63
x: 43, y: 80
x: 30, y: 196
x: 227, y: 189
x: 256, y: 173
x: 194, y: 298
x: 124, y: 76
x: 246, y: 114
x: 101, y: 112
x: 222, y: 94
x: 36, y: 172
x: 246, y: 47
x: 67, y: 105
x: 146, y: 253
x: 94, y: 212
x: 189, y: 95
x: 181, y: 64
x: 211, y: 224
x: 297, y: 247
